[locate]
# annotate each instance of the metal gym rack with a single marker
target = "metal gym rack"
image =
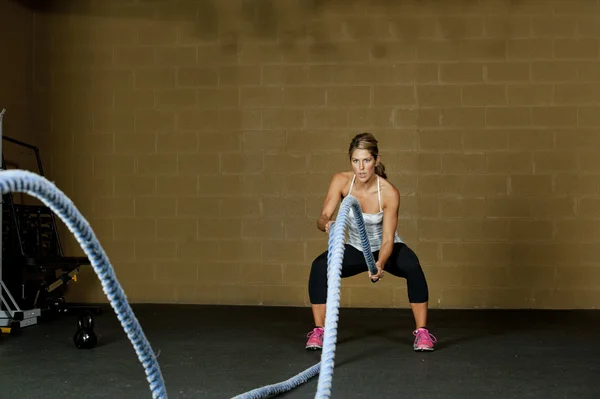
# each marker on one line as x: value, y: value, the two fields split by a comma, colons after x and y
x: 39, y: 271
x: 11, y: 315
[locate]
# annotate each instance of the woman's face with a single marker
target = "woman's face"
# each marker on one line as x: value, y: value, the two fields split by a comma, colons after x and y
x: 363, y: 164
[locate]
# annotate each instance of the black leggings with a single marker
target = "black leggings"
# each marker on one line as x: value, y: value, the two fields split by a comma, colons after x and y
x: 403, y: 262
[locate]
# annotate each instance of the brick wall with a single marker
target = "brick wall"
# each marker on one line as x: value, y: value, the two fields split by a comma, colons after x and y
x: 16, y: 66
x: 199, y: 138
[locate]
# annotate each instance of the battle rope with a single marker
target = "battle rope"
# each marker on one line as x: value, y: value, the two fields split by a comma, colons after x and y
x: 39, y: 187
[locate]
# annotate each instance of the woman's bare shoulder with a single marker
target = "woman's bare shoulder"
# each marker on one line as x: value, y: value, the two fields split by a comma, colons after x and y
x: 388, y: 190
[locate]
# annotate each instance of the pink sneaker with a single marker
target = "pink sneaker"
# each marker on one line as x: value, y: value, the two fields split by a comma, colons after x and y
x: 424, y: 341
x: 315, y: 339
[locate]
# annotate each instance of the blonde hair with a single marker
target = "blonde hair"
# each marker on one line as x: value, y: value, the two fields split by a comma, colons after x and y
x: 366, y: 141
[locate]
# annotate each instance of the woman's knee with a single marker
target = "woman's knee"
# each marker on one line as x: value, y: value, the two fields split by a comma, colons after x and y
x: 317, y: 281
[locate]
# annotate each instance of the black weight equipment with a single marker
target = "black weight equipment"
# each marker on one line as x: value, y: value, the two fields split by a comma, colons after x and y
x: 86, y: 321
x: 85, y: 338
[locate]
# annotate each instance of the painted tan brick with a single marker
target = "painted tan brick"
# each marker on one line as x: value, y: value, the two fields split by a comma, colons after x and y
x: 529, y: 49
x: 440, y: 140
x: 462, y: 208
x: 282, y: 119
x: 554, y: 116
x: 95, y: 143
x: 486, y: 139
x: 192, y: 207
x: 401, y: 51
x: 176, y: 56
x: 414, y: 26
x: 589, y: 162
x: 393, y: 95
x: 479, y: 186
x: 482, y: 95
x: 113, y: 207
x: 129, y: 99
x: 438, y: 96
x: 240, y: 208
x: 513, y: 26
x: 463, y: 163
x: 549, y: 162
x: 176, y: 98
x: 197, y: 76
x: 134, y: 56
x: 180, y: 186
x: 441, y: 185
x: 306, y: 97
x: 155, y: 78
x: 135, y: 143
x: 465, y: 117
x: 574, y: 185
x: 576, y: 48
x: 588, y: 116
x: 177, y: 272
x: 242, y: 163
x: 461, y: 27
x: 531, y: 185
x: 192, y: 119
x: 433, y: 50
x: 510, y: 162
x: 462, y: 72
x: 284, y: 75
x: 128, y: 228
x: 242, y: 75
x: 154, y: 121
x: 579, y: 139
x: 240, y: 119
x: 113, y: 121
x: 194, y: 164
x: 525, y: 139
x: 156, y: 164
x: 507, y: 72
x: 239, y: 251
x: 133, y: 186
x: 372, y: 118
x: 555, y: 208
x: 156, y: 35
x: 554, y: 26
x: 508, y: 208
x: 179, y: 142
x: 285, y: 163
x: 553, y: 71
x: 348, y: 96
x: 112, y: 164
x: 530, y: 94
x: 211, y: 98
x: 155, y: 250
x: 508, y: 116
x: 261, y: 97
x: 153, y: 207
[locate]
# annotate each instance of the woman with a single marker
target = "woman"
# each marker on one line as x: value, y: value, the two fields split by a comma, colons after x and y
x: 379, y: 202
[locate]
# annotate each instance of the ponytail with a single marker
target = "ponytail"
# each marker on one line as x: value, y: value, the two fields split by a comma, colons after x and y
x: 380, y: 170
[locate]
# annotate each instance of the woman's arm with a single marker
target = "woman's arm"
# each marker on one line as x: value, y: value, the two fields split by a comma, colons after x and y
x: 391, y: 205
x: 332, y: 199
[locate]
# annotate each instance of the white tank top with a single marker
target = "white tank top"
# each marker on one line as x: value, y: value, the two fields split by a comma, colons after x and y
x: 373, y: 225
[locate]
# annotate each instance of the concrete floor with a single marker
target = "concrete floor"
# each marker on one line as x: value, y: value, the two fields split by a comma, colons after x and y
x: 220, y: 352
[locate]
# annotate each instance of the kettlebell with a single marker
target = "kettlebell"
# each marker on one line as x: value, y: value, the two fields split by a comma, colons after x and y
x: 86, y: 321
x: 85, y: 338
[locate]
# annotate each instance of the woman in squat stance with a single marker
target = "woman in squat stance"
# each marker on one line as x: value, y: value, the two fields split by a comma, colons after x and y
x: 379, y: 202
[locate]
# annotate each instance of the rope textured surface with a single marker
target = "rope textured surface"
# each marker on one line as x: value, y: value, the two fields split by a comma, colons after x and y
x: 335, y: 257
x: 41, y: 188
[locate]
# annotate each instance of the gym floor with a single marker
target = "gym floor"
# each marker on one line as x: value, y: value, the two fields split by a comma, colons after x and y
x: 219, y: 352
